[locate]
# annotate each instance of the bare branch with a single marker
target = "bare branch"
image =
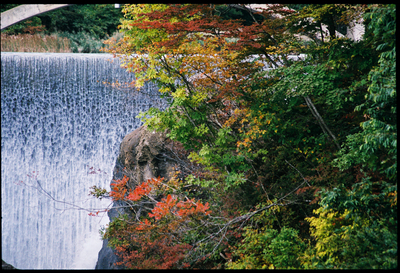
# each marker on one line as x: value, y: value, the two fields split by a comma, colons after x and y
x: 320, y: 120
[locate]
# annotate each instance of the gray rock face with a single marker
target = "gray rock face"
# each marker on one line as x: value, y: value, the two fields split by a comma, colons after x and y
x: 107, y: 258
x: 143, y: 155
x: 5, y: 265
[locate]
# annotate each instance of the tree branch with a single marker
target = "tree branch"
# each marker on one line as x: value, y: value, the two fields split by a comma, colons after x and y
x: 321, y: 121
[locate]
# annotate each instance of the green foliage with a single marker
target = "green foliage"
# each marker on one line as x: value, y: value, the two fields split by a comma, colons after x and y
x: 97, y: 20
x: 229, y: 12
x: 83, y: 42
x: 98, y: 192
x: 260, y: 137
x: 297, y: 6
x: 375, y: 147
x: 334, y: 16
x: 85, y: 25
x: 355, y: 229
x: 114, y: 232
x: 266, y: 248
x: 4, y: 7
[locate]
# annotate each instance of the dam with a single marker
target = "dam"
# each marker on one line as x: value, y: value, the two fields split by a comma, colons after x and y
x: 62, y: 121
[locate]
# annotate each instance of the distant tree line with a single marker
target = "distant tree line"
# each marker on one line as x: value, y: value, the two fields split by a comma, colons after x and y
x: 85, y: 25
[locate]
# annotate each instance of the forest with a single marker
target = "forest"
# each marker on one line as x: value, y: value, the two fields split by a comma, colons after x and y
x: 78, y: 28
x: 293, y: 159
x: 289, y: 129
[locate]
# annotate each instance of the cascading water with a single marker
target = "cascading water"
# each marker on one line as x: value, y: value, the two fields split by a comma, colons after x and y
x: 61, y: 128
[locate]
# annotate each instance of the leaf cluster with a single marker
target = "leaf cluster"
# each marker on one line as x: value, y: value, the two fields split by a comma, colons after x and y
x: 308, y: 141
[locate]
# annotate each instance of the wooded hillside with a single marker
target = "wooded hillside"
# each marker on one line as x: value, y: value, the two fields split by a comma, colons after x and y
x: 296, y: 166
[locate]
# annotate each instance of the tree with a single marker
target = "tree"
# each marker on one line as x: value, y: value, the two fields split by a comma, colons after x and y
x: 375, y: 146
x: 355, y: 229
x: 98, y: 20
x: 268, y: 137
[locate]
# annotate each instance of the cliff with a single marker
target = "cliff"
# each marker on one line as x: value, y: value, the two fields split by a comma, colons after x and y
x: 143, y: 155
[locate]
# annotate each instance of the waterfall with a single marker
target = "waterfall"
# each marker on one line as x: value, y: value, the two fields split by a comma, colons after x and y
x: 61, y: 128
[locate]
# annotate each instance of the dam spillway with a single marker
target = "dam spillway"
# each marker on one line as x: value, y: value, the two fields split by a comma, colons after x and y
x: 61, y: 127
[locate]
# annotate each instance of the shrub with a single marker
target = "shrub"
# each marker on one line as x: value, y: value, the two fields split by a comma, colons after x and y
x: 83, y: 42
x: 268, y: 249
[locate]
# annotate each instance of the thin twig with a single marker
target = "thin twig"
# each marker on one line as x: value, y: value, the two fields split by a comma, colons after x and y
x: 298, y: 172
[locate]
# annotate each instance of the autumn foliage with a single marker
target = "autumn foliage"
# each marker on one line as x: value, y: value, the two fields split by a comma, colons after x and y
x: 156, y: 239
x: 292, y: 127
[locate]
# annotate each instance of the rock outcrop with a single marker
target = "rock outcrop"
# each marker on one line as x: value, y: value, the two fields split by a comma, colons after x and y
x: 107, y: 258
x: 143, y: 155
x: 5, y: 265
